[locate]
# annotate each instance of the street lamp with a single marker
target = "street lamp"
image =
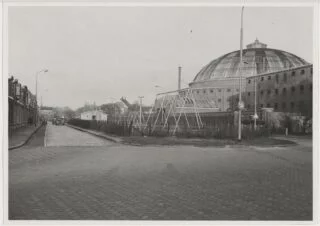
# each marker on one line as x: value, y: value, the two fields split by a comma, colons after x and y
x: 240, y: 105
x: 140, y: 97
x: 255, y: 116
x: 44, y: 71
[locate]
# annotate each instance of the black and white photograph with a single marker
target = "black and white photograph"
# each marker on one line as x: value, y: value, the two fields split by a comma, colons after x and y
x: 154, y: 112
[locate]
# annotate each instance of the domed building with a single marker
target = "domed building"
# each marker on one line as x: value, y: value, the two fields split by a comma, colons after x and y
x: 219, y: 79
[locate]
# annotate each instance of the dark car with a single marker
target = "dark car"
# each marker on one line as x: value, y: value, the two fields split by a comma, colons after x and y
x: 58, y: 121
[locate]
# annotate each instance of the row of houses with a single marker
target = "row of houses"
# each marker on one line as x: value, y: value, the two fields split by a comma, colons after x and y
x: 22, y: 105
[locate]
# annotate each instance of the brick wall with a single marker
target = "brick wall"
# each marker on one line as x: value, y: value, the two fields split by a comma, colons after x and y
x: 284, y: 91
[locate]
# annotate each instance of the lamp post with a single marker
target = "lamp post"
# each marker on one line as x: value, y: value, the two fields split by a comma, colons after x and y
x: 255, y: 116
x: 240, y: 105
x: 44, y: 71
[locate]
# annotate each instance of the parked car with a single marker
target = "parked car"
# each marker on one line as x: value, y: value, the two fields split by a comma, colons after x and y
x: 58, y: 121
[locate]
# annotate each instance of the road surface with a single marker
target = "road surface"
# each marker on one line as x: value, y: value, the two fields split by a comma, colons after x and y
x: 78, y: 176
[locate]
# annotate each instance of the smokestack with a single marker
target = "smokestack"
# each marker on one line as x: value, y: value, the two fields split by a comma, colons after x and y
x: 179, y: 78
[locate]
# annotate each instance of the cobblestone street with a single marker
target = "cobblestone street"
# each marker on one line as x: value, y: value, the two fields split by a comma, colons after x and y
x: 98, y: 180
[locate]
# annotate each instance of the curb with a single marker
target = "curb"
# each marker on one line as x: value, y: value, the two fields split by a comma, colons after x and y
x: 27, y: 140
x: 93, y: 133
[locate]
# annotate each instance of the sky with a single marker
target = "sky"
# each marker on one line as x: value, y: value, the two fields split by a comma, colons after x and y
x: 99, y: 54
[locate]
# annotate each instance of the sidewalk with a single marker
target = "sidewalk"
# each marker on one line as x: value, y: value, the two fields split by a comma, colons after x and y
x: 21, y: 136
x: 98, y: 134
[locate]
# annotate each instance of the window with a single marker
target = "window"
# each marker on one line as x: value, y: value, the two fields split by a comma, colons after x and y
x: 284, y: 91
x: 261, y: 105
x: 293, y: 73
x: 249, y: 81
x: 248, y: 106
x: 237, y: 90
x: 219, y: 100
x: 301, y: 88
x: 228, y: 90
x: 275, y: 106
x: 301, y: 105
x: 211, y: 91
x: 261, y: 92
x: 284, y: 77
x: 269, y: 91
x: 248, y: 93
x: 293, y: 89
x: 262, y: 78
x: 302, y: 72
x: 292, y: 105
x: 204, y: 91
x: 276, y: 91
x: 269, y: 77
x: 284, y: 106
x: 219, y: 90
x: 268, y: 105
x: 277, y: 78
x: 197, y: 91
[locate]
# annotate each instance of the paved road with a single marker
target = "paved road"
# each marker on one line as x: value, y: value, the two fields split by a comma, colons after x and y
x: 160, y: 183
x: 66, y: 136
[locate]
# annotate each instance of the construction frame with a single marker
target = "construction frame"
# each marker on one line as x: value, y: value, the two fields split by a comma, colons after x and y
x: 183, y: 103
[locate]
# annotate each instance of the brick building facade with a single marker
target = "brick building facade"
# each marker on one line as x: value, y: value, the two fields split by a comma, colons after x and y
x: 284, y: 91
x: 22, y: 105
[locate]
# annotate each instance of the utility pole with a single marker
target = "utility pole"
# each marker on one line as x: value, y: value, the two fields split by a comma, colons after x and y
x: 240, y: 105
x: 179, y: 78
x: 140, y: 118
x: 37, y: 109
x: 255, y: 116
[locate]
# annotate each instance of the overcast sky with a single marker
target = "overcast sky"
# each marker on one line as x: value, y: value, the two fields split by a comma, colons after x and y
x: 98, y: 53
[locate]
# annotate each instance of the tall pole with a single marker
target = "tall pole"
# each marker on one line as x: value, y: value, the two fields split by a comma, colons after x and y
x: 255, y: 104
x: 43, y: 70
x: 36, y: 122
x: 140, y: 111
x: 179, y: 78
x: 240, y: 76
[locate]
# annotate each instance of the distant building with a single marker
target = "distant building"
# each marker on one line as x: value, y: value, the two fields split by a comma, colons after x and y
x: 122, y: 107
x: 46, y: 113
x: 94, y: 115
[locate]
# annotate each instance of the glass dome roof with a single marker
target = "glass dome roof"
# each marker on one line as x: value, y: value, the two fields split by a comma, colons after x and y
x: 257, y: 60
